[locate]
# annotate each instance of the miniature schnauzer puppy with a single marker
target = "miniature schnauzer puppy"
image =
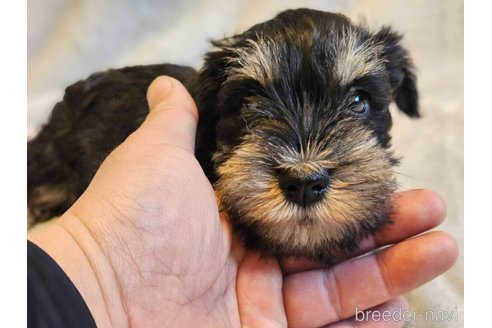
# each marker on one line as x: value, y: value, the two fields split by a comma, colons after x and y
x: 293, y: 131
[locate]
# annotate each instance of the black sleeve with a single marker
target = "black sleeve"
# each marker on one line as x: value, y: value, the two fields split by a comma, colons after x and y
x: 52, y: 299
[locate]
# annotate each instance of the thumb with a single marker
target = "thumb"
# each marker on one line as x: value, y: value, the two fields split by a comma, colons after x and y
x: 173, y: 114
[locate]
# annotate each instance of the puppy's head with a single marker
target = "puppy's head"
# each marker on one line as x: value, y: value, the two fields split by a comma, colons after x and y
x: 303, y: 159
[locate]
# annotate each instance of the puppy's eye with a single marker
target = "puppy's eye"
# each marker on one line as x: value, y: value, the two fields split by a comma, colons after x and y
x: 359, y: 104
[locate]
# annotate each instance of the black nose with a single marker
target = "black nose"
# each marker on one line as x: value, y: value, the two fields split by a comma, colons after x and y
x: 306, y: 190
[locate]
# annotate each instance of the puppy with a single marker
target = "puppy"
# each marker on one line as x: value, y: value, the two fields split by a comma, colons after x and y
x: 293, y: 132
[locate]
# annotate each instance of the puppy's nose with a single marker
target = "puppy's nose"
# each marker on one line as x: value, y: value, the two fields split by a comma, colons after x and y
x: 304, y: 191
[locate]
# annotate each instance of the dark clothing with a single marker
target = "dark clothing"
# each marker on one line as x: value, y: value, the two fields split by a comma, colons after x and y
x: 52, y: 299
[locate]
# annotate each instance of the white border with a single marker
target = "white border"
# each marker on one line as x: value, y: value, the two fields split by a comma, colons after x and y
x: 13, y: 18
x: 478, y: 140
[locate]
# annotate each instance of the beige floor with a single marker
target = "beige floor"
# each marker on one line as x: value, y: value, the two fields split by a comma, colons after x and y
x: 68, y: 40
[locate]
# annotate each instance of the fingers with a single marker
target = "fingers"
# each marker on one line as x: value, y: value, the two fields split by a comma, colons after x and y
x: 416, y: 261
x: 415, y: 211
x: 259, y: 292
x: 319, y: 297
x: 173, y: 114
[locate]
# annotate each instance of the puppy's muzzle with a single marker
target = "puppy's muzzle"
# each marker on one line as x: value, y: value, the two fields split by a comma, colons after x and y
x: 304, y: 190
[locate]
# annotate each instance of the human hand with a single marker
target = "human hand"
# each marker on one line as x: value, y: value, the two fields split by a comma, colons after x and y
x: 145, y: 244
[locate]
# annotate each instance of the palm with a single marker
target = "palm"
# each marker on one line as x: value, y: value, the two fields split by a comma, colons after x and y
x: 188, y: 250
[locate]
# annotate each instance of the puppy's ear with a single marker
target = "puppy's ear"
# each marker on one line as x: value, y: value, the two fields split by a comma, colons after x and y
x: 215, y: 68
x: 401, y: 72
x: 208, y: 90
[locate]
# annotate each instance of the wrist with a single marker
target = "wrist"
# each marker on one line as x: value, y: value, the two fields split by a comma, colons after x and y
x: 72, y: 246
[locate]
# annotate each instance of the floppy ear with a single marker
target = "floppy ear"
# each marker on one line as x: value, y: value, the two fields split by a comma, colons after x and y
x: 214, y: 71
x: 401, y: 72
x: 207, y: 89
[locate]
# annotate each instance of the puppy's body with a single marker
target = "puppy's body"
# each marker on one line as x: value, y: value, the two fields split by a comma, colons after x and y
x: 293, y: 132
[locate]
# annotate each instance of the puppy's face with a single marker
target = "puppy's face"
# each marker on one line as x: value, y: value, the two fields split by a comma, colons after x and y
x: 303, y: 160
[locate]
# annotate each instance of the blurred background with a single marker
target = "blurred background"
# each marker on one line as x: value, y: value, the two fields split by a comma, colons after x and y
x: 68, y: 40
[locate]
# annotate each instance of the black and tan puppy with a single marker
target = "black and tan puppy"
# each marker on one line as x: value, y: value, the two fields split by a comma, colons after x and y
x: 293, y: 132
